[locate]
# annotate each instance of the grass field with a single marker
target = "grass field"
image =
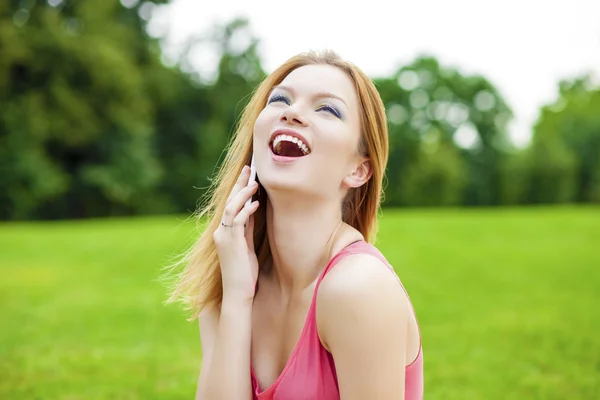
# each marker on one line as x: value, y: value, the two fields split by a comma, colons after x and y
x: 507, y: 300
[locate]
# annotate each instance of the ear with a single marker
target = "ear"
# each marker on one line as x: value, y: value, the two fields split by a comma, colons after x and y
x: 360, y: 175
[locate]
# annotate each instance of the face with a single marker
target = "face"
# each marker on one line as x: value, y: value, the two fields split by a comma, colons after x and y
x: 306, y: 138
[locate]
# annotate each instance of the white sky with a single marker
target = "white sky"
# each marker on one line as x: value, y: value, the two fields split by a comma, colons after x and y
x: 522, y: 46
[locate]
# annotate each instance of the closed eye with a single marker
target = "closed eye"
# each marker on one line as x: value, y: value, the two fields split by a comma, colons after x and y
x: 331, y: 110
x: 279, y: 97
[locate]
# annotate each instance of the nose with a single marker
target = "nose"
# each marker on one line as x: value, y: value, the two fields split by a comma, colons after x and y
x: 291, y: 116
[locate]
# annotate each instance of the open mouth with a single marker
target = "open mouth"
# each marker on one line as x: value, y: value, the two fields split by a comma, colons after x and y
x: 289, y: 146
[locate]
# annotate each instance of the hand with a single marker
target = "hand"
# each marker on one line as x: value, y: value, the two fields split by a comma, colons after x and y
x: 234, y: 240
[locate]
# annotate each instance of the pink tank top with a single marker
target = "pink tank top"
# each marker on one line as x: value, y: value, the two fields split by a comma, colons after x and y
x: 310, y: 370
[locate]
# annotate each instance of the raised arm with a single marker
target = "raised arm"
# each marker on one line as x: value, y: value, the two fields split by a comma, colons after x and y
x: 226, y: 332
x: 225, y: 338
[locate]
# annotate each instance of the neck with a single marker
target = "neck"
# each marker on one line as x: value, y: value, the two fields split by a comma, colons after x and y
x: 300, y: 231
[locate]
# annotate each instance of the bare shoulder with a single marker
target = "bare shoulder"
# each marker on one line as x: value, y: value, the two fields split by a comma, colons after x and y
x: 362, y: 278
x: 363, y: 319
x: 361, y: 289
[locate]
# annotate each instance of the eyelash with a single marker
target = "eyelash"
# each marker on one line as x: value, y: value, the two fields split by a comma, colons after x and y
x: 328, y: 108
x: 278, y: 97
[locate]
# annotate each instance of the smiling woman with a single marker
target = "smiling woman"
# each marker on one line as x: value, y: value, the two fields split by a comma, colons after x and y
x: 293, y: 298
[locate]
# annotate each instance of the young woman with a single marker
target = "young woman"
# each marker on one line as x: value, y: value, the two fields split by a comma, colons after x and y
x: 294, y: 301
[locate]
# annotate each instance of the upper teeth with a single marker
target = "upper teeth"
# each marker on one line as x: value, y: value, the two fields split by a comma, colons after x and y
x: 292, y: 139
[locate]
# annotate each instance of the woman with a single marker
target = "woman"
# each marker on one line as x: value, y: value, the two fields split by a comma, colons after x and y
x: 293, y: 300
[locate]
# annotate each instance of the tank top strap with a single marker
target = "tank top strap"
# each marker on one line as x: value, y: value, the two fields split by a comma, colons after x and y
x: 349, y: 249
x: 360, y: 247
x: 311, y: 323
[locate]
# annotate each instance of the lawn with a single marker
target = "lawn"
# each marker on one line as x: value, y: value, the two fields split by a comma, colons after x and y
x: 507, y: 300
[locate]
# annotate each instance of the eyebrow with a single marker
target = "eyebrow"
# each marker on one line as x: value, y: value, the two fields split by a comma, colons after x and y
x: 319, y: 94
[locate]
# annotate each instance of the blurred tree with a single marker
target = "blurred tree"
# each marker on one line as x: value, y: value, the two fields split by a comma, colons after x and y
x: 545, y: 172
x: 437, y: 178
x: 515, y: 176
x: 196, y: 123
x: 93, y: 123
x: 570, y: 128
x: 76, y: 131
x: 427, y: 102
x: 552, y: 173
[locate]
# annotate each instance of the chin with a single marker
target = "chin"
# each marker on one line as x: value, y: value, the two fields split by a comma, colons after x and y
x: 285, y: 183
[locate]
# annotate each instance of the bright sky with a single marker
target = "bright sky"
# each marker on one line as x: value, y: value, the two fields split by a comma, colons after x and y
x: 522, y: 46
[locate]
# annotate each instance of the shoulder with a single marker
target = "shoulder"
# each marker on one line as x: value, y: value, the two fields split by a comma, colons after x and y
x: 362, y: 319
x: 360, y: 289
x: 364, y: 279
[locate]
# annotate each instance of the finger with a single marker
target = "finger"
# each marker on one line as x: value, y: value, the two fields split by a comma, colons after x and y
x: 237, y: 202
x: 249, y: 233
x: 240, y: 183
x: 240, y: 220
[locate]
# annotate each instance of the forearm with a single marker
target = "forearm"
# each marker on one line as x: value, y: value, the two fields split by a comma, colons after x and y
x: 228, y: 375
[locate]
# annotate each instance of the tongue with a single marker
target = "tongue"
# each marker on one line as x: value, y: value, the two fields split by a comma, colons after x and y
x: 288, y: 149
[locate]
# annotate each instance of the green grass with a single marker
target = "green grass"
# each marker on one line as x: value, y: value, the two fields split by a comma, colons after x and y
x: 506, y: 300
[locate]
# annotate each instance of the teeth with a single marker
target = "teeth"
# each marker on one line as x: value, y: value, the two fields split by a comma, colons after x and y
x: 292, y: 139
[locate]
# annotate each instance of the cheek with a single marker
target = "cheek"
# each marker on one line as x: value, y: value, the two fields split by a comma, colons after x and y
x: 265, y: 122
x: 340, y: 143
x: 260, y: 123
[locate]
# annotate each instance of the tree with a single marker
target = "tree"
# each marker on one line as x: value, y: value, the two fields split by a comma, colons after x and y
x: 571, y: 126
x: 195, y: 124
x: 426, y: 102
x: 437, y: 178
x: 76, y: 132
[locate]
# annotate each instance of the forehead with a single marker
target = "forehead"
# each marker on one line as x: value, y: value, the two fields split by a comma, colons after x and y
x: 322, y: 78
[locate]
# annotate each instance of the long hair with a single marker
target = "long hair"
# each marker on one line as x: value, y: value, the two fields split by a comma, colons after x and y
x: 199, y: 282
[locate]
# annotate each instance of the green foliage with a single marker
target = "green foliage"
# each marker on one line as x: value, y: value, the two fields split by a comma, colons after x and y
x: 93, y: 123
x: 500, y: 296
x: 552, y: 171
x: 573, y: 123
x: 562, y: 163
x: 437, y: 178
x: 515, y: 176
x: 108, y: 129
x: 546, y: 172
x: 196, y: 122
x: 76, y: 134
x: 594, y: 191
x: 427, y: 102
